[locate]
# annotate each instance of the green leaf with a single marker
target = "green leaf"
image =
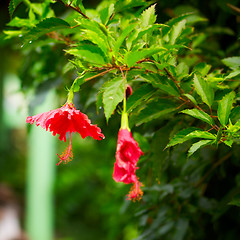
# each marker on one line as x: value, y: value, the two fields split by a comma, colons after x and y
x: 201, y: 134
x: 12, y: 33
x: 106, y: 13
x: 198, y: 145
x: 132, y: 57
x: 179, y: 137
x: 93, y: 26
x: 190, y: 97
x: 233, y: 74
x: 188, y: 134
x: 94, y: 38
x: 148, y: 17
x: 176, y: 31
x: 142, y: 94
x: 161, y: 82
x: 204, y: 90
x: 152, y: 111
x: 13, y: 5
x: 199, y: 114
x: 202, y: 68
x: 89, y: 53
x: 182, y: 70
x: 45, y: 26
x: 235, y: 202
x: 224, y: 108
x: 21, y: 22
x: 132, y: 41
x: 112, y: 95
x: 99, y: 103
x: 232, y: 62
x: 235, y: 114
x: 122, y: 37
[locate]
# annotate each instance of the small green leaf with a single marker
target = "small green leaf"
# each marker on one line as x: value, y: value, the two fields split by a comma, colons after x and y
x: 224, y: 108
x: 94, y: 38
x: 45, y: 26
x: 232, y: 62
x: 141, y: 94
x: 132, y: 57
x: 21, y: 22
x: 89, y: 53
x: 235, y: 202
x: 182, y: 70
x: 161, y: 82
x: 198, y: 145
x: 188, y: 134
x: 190, y: 97
x: 122, y: 37
x: 112, y: 95
x: 106, y: 13
x: 99, y: 103
x: 201, y: 134
x: 202, y: 68
x: 176, y: 31
x: 93, y: 26
x: 13, y: 5
x: 233, y: 74
x: 132, y: 41
x: 204, y: 90
x: 199, y: 114
x: 179, y: 137
x: 152, y: 111
x: 235, y: 114
x: 148, y: 17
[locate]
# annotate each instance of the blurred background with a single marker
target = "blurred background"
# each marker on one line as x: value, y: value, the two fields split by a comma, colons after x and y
x: 79, y: 200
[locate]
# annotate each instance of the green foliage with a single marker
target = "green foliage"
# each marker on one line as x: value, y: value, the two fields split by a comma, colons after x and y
x: 184, y: 111
x: 112, y: 95
x: 13, y: 5
x: 224, y: 108
x: 204, y: 90
x: 45, y: 26
x: 200, y: 115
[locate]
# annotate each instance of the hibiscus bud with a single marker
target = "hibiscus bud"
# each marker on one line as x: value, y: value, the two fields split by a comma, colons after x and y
x: 129, y: 91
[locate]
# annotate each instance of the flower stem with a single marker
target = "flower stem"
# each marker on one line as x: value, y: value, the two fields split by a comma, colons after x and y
x: 124, y: 121
x: 70, y: 96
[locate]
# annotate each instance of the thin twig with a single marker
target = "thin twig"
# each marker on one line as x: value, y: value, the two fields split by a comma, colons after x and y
x: 99, y: 74
x: 77, y: 9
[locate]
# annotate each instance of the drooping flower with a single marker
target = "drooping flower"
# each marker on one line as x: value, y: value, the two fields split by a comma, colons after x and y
x: 66, y: 120
x: 127, y: 156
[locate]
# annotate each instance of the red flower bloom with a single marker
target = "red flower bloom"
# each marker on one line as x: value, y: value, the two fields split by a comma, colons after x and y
x: 127, y: 156
x: 66, y: 120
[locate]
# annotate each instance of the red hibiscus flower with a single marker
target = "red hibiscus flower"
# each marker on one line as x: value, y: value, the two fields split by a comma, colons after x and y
x: 66, y: 120
x: 127, y: 156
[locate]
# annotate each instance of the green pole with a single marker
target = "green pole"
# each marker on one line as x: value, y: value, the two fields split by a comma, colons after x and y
x: 40, y: 178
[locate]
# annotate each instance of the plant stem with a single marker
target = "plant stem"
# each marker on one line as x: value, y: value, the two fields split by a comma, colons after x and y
x: 77, y: 9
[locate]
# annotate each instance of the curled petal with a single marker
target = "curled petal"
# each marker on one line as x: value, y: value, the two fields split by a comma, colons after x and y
x: 126, y: 175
